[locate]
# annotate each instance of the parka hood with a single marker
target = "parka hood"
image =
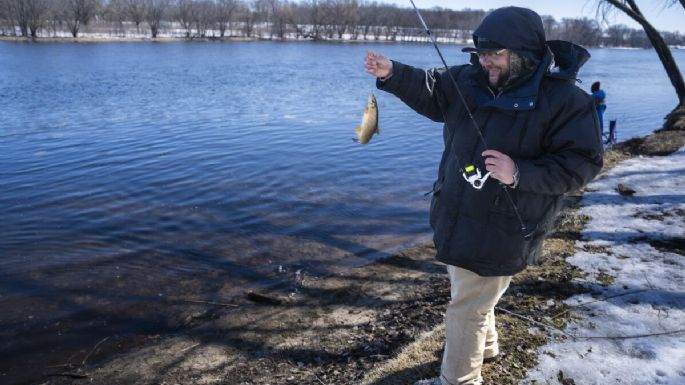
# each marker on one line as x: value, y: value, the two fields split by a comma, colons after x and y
x: 568, y: 58
x: 518, y: 29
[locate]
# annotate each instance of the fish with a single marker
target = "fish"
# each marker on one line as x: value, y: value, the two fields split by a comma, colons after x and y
x: 369, y: 125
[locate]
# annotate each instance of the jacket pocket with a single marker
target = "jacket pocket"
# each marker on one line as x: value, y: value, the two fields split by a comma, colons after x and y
x: 434, y: 207
x: 506, y: 245
x: 433, y: 211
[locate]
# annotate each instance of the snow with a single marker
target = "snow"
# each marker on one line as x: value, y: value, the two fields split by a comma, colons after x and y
x: 646, y: 295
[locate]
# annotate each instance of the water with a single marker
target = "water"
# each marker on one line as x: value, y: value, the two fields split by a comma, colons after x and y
x: 136, y: 176
x: 639, y: 94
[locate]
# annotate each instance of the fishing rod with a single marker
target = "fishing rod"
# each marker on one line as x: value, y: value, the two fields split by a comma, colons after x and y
x: 454, y: 82
x: 474, y: 179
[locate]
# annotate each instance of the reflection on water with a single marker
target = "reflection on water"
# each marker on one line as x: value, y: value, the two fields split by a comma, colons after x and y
x: 135, y: 175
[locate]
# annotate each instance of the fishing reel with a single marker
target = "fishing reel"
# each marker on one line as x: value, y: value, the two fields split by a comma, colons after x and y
x: 472, y: 175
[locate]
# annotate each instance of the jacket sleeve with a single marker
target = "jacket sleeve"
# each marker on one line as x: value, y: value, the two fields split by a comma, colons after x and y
x: 411, y: 85
x: 573, y: 151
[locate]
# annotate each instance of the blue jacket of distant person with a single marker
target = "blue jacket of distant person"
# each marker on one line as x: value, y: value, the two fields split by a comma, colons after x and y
x: 599, y: 96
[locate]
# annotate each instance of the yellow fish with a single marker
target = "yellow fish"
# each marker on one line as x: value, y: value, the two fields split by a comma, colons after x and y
x: 369, y: 125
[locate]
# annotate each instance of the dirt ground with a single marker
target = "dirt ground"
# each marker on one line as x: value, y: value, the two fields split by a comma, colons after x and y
x: 379, y: 324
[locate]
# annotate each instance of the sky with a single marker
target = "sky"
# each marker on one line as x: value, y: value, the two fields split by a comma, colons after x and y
x: 664, y: 19
x: 646, y: 296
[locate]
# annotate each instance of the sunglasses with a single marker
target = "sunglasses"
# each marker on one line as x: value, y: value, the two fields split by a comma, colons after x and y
x: 491, y: 54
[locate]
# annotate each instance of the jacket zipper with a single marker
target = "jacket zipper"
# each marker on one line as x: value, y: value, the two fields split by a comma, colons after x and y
x: 493, y: 94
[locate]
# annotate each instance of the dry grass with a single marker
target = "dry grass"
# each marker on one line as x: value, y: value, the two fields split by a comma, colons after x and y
x: 416, y: 360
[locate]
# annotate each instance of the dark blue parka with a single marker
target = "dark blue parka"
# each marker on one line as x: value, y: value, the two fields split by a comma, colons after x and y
x: 547, y: 125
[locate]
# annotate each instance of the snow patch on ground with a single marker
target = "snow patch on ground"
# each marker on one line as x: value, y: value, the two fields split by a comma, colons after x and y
x: 638, y: 298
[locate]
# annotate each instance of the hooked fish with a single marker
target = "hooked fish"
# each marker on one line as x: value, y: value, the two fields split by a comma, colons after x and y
x: 369, y: 125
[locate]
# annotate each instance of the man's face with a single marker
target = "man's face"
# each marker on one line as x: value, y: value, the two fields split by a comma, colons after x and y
x: 496, y: 64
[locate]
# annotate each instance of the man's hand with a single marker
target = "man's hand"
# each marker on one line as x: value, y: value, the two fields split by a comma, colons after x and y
x: 501, y: 166
x: 377, y: 65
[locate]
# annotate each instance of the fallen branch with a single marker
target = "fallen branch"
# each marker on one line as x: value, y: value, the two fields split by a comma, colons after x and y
x: 189, y: 347
x: 72, y: 366
x: 70, y: 375
x: 597, y: 300
x: 548, y: 326
x: 209, y: 302
x: 634, y: 336
x: 92, y: 350
x: 538, y: 323
x: 261, y: 298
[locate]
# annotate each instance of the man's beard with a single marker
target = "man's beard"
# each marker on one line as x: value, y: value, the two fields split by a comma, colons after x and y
x: 501, y: 80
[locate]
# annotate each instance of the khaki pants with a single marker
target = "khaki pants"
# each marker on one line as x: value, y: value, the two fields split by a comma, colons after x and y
x: 470, y: 325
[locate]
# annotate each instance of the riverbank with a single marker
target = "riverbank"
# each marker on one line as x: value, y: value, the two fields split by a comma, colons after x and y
x: 379, y: 324
x: 118, y: 39
x: 180, y: 36
x: 106, y: 38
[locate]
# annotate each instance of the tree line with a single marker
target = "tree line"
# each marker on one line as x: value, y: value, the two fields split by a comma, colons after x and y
x: 282, y: 19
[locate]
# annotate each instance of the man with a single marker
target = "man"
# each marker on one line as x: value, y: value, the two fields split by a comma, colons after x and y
x: 529, y: 136
x: 598, y: 95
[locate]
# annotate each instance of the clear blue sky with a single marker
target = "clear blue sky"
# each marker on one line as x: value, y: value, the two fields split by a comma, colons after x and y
x: 664, y: 19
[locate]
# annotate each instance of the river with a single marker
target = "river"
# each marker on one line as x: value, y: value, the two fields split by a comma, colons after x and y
x: 138, y: 174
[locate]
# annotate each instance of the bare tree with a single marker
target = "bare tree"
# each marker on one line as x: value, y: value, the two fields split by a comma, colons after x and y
x: 386, y: 26
x: 78, y: 13
x: 368, y: 18
x: 135, y: 11
x: 54, y: 17
x: 204, y: 16
x: 585, y: 32
x: 18, y: 11
x: 638, y: 38
x: 276, y: 13
x: 155, y: 11
x: 224, y: 14
x: 300, y: 19
x: 186, y: 14
x: 673, y: 38
x: 3, y: 17
x: 316, y: 18
x: 345, y: 12
x: 328, y: 18
x: 246, y: 16
x: 36, y: 11
x: 617, y: 35
x: 551, y: 27
x: 630, y: 8
x: 113, y: 12
x: 263, y: 13
x: 283, y: 18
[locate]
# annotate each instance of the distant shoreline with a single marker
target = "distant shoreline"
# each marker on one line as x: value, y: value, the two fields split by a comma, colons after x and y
x: 172, y: 39
x: 87, y: 37
x: 112, y: 39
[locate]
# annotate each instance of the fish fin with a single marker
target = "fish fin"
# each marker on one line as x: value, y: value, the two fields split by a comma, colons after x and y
x: 378, y: 130
x: 358, y: 130
x: 355, y: 140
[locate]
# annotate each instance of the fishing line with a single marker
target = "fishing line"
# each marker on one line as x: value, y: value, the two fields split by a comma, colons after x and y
x: 524, y: 229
